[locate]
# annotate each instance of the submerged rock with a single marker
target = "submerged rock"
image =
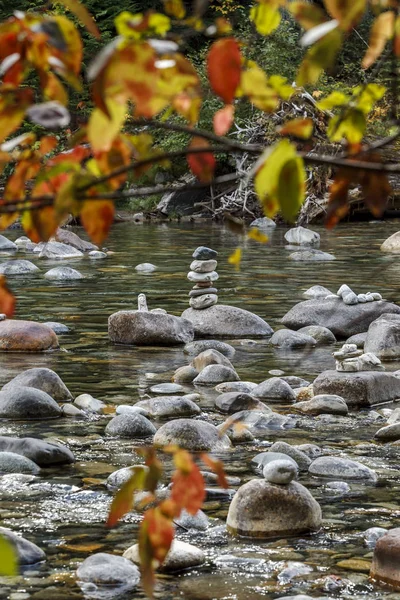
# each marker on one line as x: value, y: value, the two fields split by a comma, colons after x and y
x: 181, y: 556
x: 141, y: 328
x: 261, y: 509
x: 26, y: 336
x: 40, y: 452
x: 311, y: 255
x: 18, y: 267
x: 342, y: 319
x: 66, y: 236
x: 63, y: 274
x: 192, y: 435
x: 262, y: 423
x: 341, y: 468
x: 364, y: 388
x: 58, y: 328
x: 128, y: 425
x: 28, y: 553
x: 392, y: 244
x: 227, y: 321
x: 383, y: 337
x: 27, y: 403
x: 42, y: 379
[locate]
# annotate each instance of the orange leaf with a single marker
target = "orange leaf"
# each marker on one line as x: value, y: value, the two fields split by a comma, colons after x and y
x: 155, y: 538
x: 201, y: 164
x: 187, y: 483
x: 224, y: 67
x: 223, y: 119
x: 300, y: 128
x: 7, y: 300
x: 218, y: 467
x: 381, y: 31
x: 40, y: 225
x: 338, y: 206
x: 80, y: 11
x: 97, y: 217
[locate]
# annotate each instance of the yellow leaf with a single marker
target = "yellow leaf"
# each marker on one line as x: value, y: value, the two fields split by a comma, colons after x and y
x: 8, y: 558
x: 350, y: 126
x: 382, y: 30
x: 254, y: 85
x: 319, y: 57
x: 80, y: 11
x: 235, y: 258
x: 300, y: 128
x: 101, y: 130
x: 256, y: 235
x: 175, y: 8
x: 334, y: 100
x: 265, y: 16
x: 367, y: 95
x: 159, y: 23
x: 307, y: 14
x: 347, y: 12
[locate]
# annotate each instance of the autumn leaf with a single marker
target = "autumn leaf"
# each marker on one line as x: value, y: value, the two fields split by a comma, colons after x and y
x: 123, y: 500
x: 235, y: 258
x: 174, y: 8
x: 81, y: 12
x: 155, y: 538
x: 347, y: 12
x: 307, y: 14
x: 217, y: 466
x: 201, y: 164
x: 223, y: 119
x: 188, y: 490
x: 8, y: 554
x: 256, y: 235
x: 266, y: 16
x: 338, y: 206
x: 300, y: 128
x: 224, y: 68
x: 97, y: 217
x: 382, y: 31
x: 40, y: 224
x: 7, y: 302
x: 319, y: 57
x: 396, y: 45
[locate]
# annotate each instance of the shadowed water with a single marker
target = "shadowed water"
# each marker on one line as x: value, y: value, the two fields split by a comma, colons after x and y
x: 64, y: 509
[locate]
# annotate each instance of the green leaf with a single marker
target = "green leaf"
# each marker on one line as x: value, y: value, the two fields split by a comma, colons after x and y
x: 8, y: 558
x: 334, y: 100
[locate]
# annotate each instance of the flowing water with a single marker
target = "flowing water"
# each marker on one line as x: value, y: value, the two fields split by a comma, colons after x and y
x: 64, y: 510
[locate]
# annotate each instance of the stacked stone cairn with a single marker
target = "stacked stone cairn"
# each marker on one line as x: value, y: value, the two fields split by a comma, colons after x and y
x: 350, y: 359
x: 350, y: 297
x: 203, y: 274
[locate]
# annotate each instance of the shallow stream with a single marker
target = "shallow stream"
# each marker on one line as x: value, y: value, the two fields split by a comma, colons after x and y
x: 64, y: 510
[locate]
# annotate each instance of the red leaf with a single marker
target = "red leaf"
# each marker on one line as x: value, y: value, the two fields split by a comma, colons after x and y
x: 97, y: 217
x: 201, y: 164
x: 7, y: 300
x: 224, y: 66
x: 187, y: 483
x: 223, y: 119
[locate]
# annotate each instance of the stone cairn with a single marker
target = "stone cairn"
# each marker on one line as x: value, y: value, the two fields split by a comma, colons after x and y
x: 350, y: 359
x: 203, y: 274
x: 350, y: 297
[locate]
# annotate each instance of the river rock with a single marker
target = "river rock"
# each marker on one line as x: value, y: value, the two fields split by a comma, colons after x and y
x: 286, y: 338
x: 295, y: 382
x: 96, y: 255
x: 364, y: 388
x: 149, y: 329
x: 203, y: 301
x: 227, y: 321
x: 117, y: 478
x: 386, y: 562
x: 343, y: 320
x: 263, y: 509
x: 166, y: 388
x: 350, y: 298
x: 358, y: 339
x: 18, y: 267
x: 58, y: 328
x: 89, y: 404
x: 274, y: 390
x: 301, y: 235
x: 26, y: 336
x: 202, y: 291
x: 322, y: 335
x: 317, y: 291
x: 372, y: 535
x: 166, y: 407
x: 127, y: 408
x: 263, y: 223
x: 237, y: 432
x: 57, y: 251
x: 199, y: 346
x: 199, y: 521
x: 302, y: 460
x: 63, y: 274
x: 145, y: 268
x: 43, y: 379
x: 202, y: 277
x: 261, y: 423
x: 185, y: 374
x: 213, y: 374
x: 181, y: 556
x: 232, y: 402
x: 324, y: 404
x: 130, y: 426
x: 109, y: 570
x: 195, y: 436
x: 22, y: 242
x: 262, y: 459
x: 341, y: 468
x: 6, y: 245
x: 16, y: 463
x: 383, y: 337
x: 204, y: 253
x: 392, y: 244
x: 27, y: 403
x: 311, y: 255
x: 66, y: 236
x: 235, y: 386
x: 40, y: 452
x: 28, y: 553
x: 389, y: 433
x: 210, y: 357
x: 203, y: 266
x: 281, y: 472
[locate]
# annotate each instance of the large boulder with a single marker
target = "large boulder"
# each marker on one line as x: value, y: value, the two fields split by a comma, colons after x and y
x: 66, y: 236
x: 28, y: 553
x: 261, y: 509
x: 386, y: 562
x: 27, y: 403
x: 18, y: 267
x: 227, y: 321
x: 26, y: 336
x: 364, y: 388
x: 392, y: 244
x: 342, y: 319
x: 195, y: 436
x: 142, y: 328
x: 57, y: 251
x: 42, y: 379
x: 40, y: 452
x: 383, y: 337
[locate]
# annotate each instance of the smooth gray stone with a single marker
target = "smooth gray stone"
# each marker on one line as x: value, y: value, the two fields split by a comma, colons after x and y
x: 245, y: 387
x: 18, y: 267
x: 140, y: 328
x: 281, y: 472
x: 364, y: 388
x: 343, y: 320
x: 16, y: 463
x: 324, y: 404
x: 203, y: 301
x: 286, y: 338
x: 202, y: 277
x: 89, y: 404
x: 372, y: 535
x: 204, y: 253
x: 27, y: 403
x: 42, y: 379
x: 96, y: 255
x: 127, y: 408
x: 350, y: 298
x: 57, y: 250
x: 311, y: 255
x: 302, y: 460
x: 117, y: 478
x: 311, y: 450
x: 192, y: 435
x: 63, y: 274
x: 40, y: 452
x: 166, y: 388
x: 274, y: 390
x: 28, y: 553
x: 213, y: 374
x: 210, y: 357
x: 341, y: 468
x: 295, y: 382
x: 200, y: 345
x: 129, y: 425
x: 166, y: 407
x: 302, y: 236
x: 58, y: 328
x: 261, y: 460
x: 107, y: 569
x: 232, y: 402
x: 383, y: 337
x: 358, y: 339
x: 203, y: 266
x: 227, y: 321
x: 66, y: 236
x: 6, y: 245
x: 389, y: 433
x: 322, y: 335
x: 263, y: 223
x: 317, y: 291
x: 181, y: 556
x: 145, y: 268
x: 202, y: 292
x: 185, y: 374
x: 199, y: 521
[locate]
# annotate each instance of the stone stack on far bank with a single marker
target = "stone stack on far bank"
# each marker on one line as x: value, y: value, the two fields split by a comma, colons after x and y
x: 203, y: 274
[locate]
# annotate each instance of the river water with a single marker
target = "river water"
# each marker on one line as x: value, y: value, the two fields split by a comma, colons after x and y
x: 64, y: 510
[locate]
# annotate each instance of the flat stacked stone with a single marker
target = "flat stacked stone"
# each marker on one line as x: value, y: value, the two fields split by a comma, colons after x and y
x: 203, y: 274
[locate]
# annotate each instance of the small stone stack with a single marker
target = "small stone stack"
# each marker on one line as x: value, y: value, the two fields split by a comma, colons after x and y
x: 350, y: 359
x: 202, y: 273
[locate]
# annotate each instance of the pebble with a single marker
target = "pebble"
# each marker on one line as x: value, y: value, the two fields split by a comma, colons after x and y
x: 90, y: 404
x: 203, y: 266
x: 204, y: 301
x: 167, y: 388
x: 350, y: 298
x: 202, y: 277
x: 209, y: 290
x: 96, y: 254
x: 204, y: 253
x: 145, y: 268
x: 281, y: 472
